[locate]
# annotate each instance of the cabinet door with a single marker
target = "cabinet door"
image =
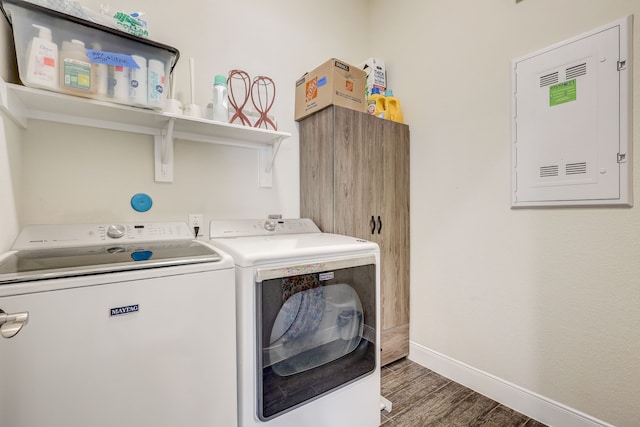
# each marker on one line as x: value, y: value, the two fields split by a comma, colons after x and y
x: 393, y: 240
x: 317, y: 169
x: 358, y: 177
x: 372, y: 202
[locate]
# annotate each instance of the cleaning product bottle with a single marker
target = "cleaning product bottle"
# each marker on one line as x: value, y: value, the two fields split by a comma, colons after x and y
x: 75, y: 69
x: 138, y: 82
x: 376, y: 103
x: 393, y: 111
x: 220, y: 99
x: 157, y: 82
x: 42, y: 60
x: 119, y: 83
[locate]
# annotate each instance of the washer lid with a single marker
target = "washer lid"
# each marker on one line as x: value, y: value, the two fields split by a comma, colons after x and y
x: 259, y: 250
x: 38, y: 264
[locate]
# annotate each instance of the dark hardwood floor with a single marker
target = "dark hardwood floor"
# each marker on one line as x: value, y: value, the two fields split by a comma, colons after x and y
x: 423, y: 398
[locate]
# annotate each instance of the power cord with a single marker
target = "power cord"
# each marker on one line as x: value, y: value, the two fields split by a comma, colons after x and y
x: 196, y: 229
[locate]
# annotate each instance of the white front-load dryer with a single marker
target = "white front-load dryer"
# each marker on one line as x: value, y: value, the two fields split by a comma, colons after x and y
x: 308, y: 324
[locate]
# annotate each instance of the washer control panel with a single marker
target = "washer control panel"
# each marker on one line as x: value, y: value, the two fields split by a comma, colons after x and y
x: 71, y: 235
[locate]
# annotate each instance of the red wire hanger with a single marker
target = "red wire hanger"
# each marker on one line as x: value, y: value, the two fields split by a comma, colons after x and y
x: 263, y: 94
x: 238, y: 82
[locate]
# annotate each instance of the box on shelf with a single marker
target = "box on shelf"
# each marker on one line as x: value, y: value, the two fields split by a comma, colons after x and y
x: 67, y: 54
x: 376, y: 75
x: 333, y: 83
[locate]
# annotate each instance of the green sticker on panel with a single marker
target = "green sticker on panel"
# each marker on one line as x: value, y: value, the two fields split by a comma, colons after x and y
x: 562, y: 92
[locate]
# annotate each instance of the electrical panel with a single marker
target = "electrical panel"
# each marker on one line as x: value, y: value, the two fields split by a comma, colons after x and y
x: 571, y: 129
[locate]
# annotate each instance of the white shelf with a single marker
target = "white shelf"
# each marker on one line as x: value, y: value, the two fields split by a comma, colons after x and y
x: 23, y: 103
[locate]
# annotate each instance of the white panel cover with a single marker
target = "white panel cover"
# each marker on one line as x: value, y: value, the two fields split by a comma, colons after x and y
x: 570, y: 129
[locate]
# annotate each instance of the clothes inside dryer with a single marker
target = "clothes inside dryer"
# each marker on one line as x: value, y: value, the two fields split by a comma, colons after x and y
x: 328, y: 319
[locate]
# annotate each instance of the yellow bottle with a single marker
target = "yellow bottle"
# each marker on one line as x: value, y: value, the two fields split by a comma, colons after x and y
x: 376, y: 103
x: 393, y: 111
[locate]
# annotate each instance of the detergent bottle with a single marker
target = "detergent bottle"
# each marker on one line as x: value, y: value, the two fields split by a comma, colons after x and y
x: 393, y: 111
x: 376, y: 103
x: 75, y: 69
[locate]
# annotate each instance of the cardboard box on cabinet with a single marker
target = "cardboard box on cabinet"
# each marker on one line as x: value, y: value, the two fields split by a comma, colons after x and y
x: 333, y: 83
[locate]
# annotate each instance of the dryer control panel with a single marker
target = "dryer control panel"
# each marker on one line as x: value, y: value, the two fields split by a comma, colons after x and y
x: 260, y: 227
x: 74, y: 235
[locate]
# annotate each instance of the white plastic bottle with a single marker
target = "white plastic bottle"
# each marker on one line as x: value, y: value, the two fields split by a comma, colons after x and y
x: 156, y: 84
x: 220, y: 99
x: 119, y: 83
x: 138, y: 82
x: 76, y: 76
x: 42, y: 60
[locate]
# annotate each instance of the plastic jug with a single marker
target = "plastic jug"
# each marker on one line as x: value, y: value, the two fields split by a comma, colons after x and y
x: 75, y: 69
x: 392, y: 111
x: 220, y: 99
x: 376, y: 103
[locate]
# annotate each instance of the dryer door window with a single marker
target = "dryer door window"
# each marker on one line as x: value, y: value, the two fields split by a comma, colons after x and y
x: 316, y: 331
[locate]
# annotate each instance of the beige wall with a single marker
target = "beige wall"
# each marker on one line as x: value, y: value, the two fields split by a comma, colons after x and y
x: 75, y: 174
x: 10, y: 171
x: 546, y: 299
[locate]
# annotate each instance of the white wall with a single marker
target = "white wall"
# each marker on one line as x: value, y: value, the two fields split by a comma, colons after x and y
x: 74, y: 174
x: 10, y: 161
x: 546, y: 299
x: 10, y: 169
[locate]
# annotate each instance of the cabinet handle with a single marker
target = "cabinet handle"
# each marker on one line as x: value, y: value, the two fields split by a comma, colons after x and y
x: 379, y: 224
x: 373, y: 224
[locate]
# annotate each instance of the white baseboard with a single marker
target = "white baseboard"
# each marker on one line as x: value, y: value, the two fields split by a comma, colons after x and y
x: 515, y: 397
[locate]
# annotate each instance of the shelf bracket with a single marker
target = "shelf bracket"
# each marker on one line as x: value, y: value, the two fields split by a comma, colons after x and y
x: 266, y: 160
x: 163, y: 153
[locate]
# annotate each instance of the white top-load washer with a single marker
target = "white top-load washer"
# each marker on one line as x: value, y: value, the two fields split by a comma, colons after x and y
x: 125, y: 324
x: 308, y: 324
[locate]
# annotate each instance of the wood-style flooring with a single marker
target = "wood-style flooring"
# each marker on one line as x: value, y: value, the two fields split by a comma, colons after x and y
x: 423, y: 398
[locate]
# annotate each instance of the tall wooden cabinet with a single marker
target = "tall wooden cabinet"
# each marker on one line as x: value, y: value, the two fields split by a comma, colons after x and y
x: 354, y: 172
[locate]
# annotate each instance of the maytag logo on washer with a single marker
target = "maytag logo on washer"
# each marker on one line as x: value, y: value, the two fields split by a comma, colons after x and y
x: 119, y: 311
